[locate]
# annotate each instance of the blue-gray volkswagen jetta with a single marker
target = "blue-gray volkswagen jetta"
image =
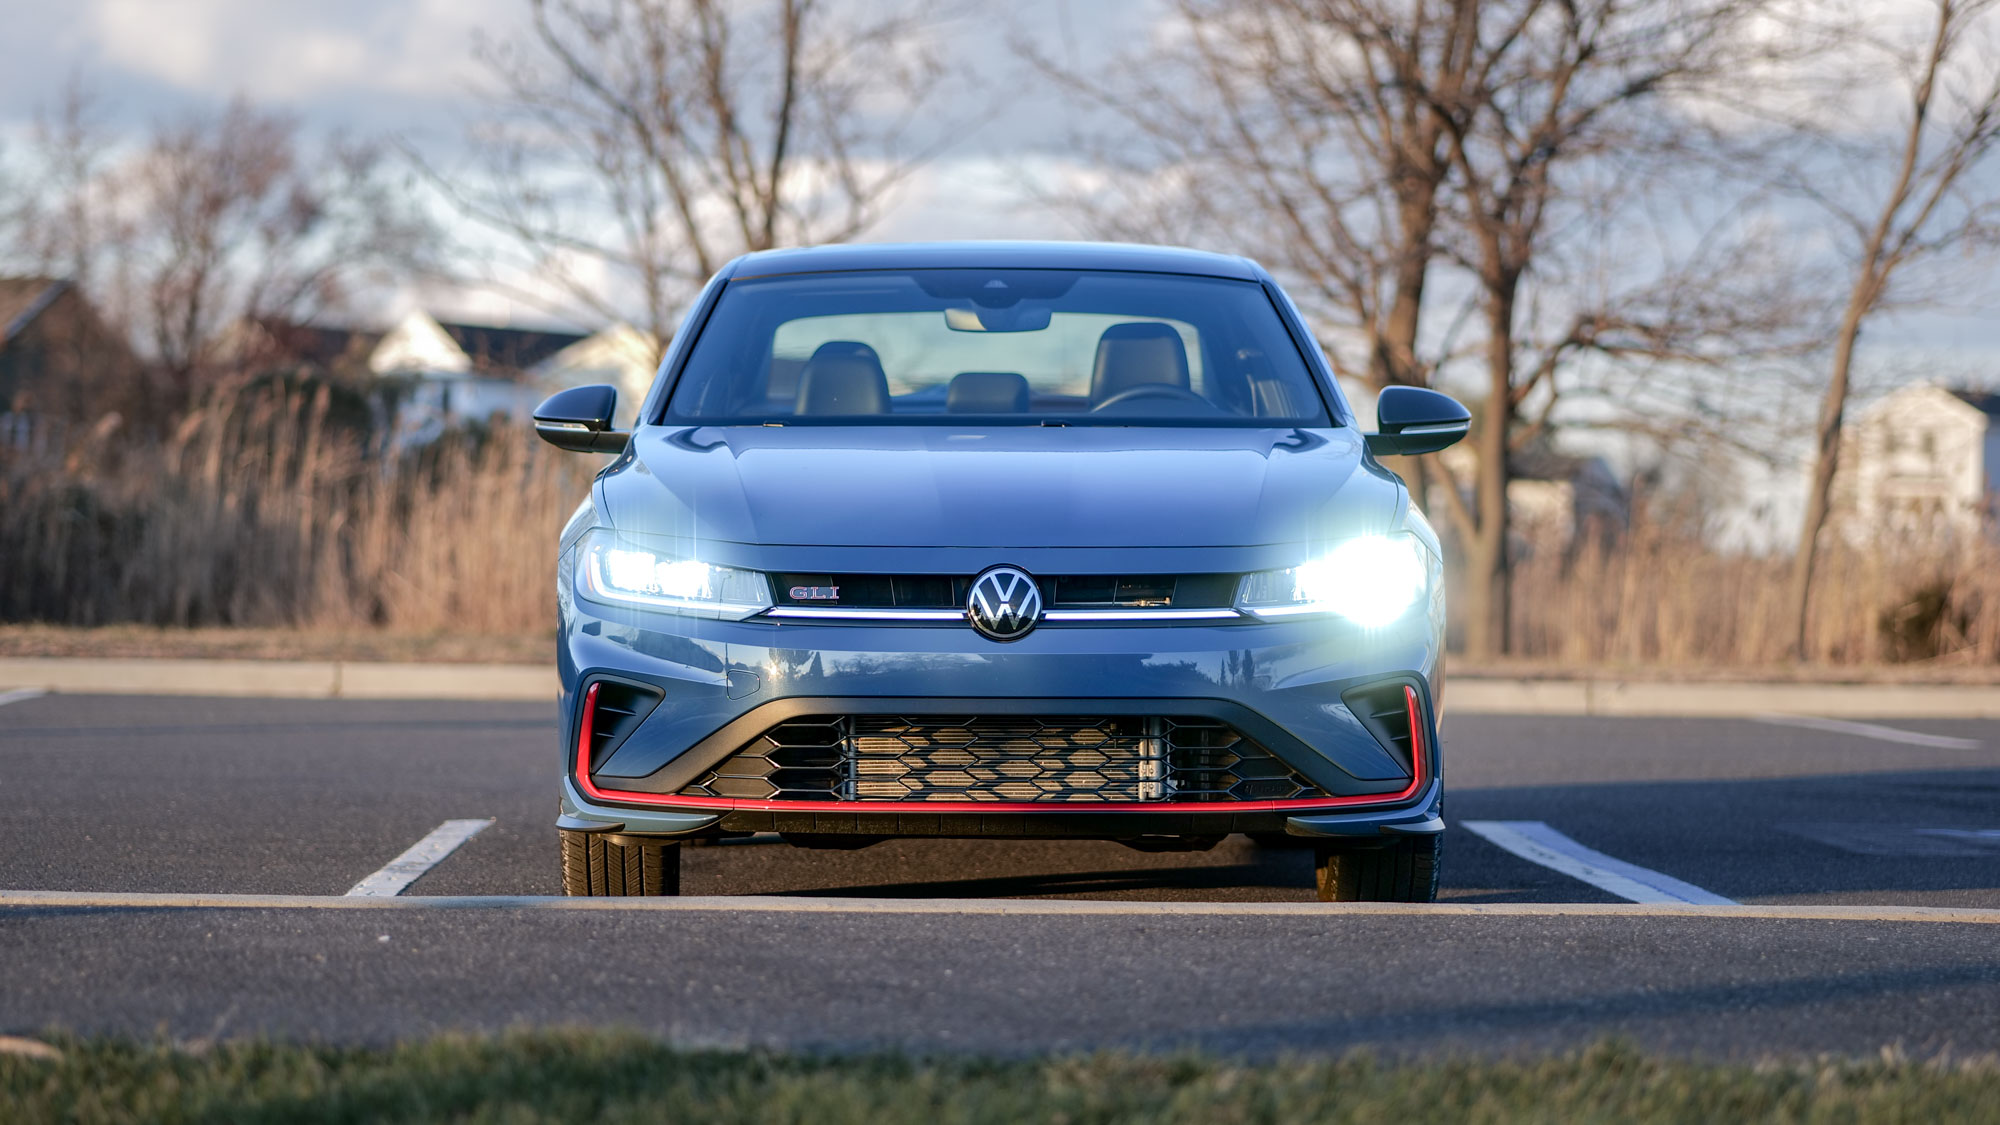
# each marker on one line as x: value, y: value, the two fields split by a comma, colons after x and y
x: 1063, y: 541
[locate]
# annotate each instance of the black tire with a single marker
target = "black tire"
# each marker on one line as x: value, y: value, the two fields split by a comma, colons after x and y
x: 602, y: 863
x: 1405, y: 871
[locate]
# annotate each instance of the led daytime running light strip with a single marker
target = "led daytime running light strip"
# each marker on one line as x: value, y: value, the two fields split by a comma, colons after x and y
x: 594, y: 581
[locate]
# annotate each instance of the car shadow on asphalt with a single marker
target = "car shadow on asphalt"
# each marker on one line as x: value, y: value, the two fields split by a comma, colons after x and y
x: 1248, y: 878
x: 952, y: 868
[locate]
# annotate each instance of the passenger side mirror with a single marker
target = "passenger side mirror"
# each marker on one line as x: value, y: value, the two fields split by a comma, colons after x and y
x: 1415, y: 420
x: 579, y: 420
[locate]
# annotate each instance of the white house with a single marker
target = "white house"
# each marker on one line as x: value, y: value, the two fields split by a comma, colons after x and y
x: 1924, y: 461
x: 443, y: 374
x: 620, y: 355
x: 473, y: 372
x: 458, y: 373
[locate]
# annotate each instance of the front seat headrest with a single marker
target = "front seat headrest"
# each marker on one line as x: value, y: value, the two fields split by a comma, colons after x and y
x: 1137, y: 354
x: 987, y: 392
x: 843, y: 377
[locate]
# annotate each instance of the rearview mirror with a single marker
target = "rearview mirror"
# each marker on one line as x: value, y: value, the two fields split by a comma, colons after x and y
x: 1013, y: 318
x: 579, y: 420
x: 1415, y: 420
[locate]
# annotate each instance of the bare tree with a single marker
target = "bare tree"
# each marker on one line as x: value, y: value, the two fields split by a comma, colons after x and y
x: 230, y: 218
x: 645, y: 142
x: 1303, y: 131
x: 1567, y: 92
x: 1931, y: 202
x: 60, y: 224
x: 1371, y: 148
x: 206, y: 221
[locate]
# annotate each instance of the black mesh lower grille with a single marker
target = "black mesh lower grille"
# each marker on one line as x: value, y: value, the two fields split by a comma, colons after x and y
x: 1002, y: 758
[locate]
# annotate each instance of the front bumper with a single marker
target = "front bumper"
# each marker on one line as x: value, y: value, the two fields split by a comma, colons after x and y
x: 1281, y: 682
x: 1421, y: 815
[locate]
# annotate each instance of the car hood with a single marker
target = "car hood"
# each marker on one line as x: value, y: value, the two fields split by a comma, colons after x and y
x: 935, y: 486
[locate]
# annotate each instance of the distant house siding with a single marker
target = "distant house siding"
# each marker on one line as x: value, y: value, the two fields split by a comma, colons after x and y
x: 1917, y: 464
x: 62, y: 370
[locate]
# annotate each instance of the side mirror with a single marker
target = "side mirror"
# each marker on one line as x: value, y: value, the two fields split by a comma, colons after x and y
x: 1415, y: 420
x: 579, y: 420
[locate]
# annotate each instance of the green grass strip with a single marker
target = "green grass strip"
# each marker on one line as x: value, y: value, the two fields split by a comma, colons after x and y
x: 587, y: 1076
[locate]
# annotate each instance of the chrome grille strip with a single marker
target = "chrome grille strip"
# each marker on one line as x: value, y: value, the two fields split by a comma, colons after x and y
x: 860, y: 613
x: 1217, y: 614
x: 863, y: 613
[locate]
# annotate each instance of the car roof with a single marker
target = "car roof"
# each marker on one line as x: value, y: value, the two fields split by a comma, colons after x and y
x: 995, y: 255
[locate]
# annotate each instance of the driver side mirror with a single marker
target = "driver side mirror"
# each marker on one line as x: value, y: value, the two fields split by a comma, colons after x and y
x: 1416, y: 420
x: 579, y: 420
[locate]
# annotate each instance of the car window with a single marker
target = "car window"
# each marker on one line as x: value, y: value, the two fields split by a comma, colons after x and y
x: 950, y: 346
x: 915, y: 346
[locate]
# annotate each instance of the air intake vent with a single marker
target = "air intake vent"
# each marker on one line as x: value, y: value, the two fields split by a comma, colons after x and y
x: 617, y: 709
x: 1002, y: 758
x: 1384, y: 708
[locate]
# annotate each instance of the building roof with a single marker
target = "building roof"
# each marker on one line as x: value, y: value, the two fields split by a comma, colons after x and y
x: 482, y: 348
x: 506, y: 349
x: 22, y: 299
x: 994, y: 255
x: 309, y: 343
x: 1985, y: 401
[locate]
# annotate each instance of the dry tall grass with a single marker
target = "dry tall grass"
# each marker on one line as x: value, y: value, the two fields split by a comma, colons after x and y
x: 1660, y: 595
x: 261, y: 509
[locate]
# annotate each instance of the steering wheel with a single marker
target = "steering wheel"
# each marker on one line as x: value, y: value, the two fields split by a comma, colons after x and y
x: 1164, y: 391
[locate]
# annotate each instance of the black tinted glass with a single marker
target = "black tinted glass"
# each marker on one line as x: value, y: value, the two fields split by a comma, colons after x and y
x: 949, y: 346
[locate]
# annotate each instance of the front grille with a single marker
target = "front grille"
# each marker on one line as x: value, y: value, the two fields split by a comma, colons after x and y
x: 1002, y: 758
x: 1063, y: 591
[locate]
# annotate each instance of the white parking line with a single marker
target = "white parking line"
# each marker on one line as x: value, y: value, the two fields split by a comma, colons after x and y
x: 1870, y: 730
x: 20, y: 694
x: 736, y: 905
x: 1536, y: 842
x: 422, y: 856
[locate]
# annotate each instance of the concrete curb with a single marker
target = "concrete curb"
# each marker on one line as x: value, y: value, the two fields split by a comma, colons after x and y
x: 281, y: 679
x: 780, y: 904
x: 1464, y: 695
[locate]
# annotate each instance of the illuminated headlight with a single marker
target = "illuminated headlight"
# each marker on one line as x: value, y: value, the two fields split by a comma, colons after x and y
x: 1371, y: 580
x: 613, y: 569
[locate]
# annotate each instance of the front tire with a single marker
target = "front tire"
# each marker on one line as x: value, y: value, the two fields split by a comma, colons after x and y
x: 1405, y: 871
x: 603, y: 863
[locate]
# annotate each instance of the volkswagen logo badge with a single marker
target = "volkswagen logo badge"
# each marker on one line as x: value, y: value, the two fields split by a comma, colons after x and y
x: 1004, y: 604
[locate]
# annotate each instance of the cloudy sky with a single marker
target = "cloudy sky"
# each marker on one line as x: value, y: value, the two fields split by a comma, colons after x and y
x: 406, y: 68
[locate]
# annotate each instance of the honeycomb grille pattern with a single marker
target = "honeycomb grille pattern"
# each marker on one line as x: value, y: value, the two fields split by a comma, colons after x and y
x: 1002, y: 758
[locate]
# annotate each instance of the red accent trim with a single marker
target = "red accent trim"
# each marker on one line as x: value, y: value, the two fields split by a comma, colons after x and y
x: 1416, y: 714
x: 585, y: 728
x: 727, y: 804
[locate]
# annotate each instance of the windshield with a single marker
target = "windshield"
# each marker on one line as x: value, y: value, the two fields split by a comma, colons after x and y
x: 998, y: 346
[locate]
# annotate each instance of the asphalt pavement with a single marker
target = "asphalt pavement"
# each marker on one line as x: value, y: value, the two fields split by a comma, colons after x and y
x: 309, y: 797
